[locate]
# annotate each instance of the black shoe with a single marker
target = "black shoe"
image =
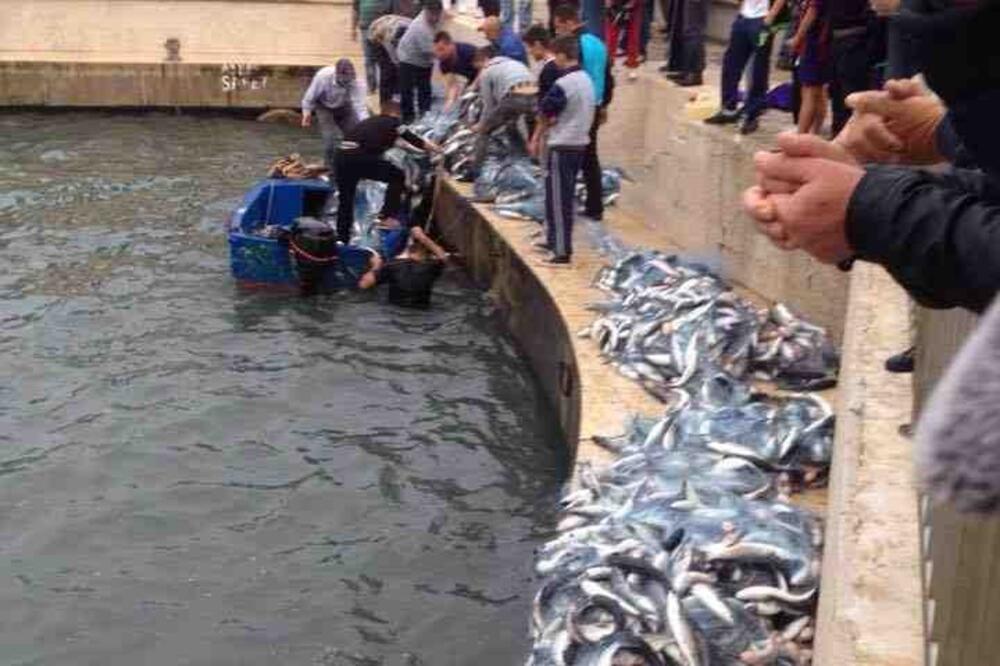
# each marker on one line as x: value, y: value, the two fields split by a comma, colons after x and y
x: 901, y: 363
x: 557, y: 260
x: 675, y: 75
x: 689, y: 80
x: 723, y: 117
x: 749, y: 126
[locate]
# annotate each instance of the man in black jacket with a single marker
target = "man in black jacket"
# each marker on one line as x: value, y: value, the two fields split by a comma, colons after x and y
x: 938, y: 234
x: 361, y: 157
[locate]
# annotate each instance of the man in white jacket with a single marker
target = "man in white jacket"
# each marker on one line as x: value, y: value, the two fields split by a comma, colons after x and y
x: 337, y: 97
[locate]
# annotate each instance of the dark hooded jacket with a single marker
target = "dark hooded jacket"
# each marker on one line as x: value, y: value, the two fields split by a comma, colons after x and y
x: 938, y: 234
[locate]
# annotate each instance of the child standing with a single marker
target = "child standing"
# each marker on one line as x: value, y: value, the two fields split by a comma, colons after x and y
x: 567, y: 112
x: 537, y: 40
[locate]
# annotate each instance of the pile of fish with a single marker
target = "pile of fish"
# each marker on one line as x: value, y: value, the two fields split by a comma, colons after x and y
x: 508, y: 178
x: 670, y: 320
x: 684, y: 551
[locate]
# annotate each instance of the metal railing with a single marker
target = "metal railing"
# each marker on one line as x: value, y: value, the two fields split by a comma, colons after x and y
x: 961, y: 554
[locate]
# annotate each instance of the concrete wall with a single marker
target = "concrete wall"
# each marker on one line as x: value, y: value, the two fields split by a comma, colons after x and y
x: 298, y: 32
x: 689, y: 180
x: 64, y: 84
x: 109, y: 53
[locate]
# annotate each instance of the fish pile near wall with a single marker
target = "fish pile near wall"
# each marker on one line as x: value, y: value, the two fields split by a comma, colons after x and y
x: 685, y: 551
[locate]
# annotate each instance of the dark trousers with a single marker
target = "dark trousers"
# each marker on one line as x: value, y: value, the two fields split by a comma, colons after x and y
x: 388, y: 77
x: 594, y: 204
x: 560, y: 187
x: 370, y: 50
x: 647, y: 26
x: 332, y: 125
x: 744, y: 44
x: 901, y: 52
x: 687, y: 36
x: 852, y: 72
x: 592, y: 14
x: 413, y: 78
x: 354, y: 166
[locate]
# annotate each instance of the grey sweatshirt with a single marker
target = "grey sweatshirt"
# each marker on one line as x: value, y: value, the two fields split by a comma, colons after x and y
x: 416, y: 45
x: 383, y: 31
x: 497, y: 78
x: 572, y: 125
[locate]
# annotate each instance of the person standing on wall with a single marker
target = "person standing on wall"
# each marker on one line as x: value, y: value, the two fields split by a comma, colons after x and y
x: 515, y: 15
x: 749, y: 39
x: 687, y: 42
x: 456, y: 60
x: 538, y: 40
x: 416, y: 60
x: 337, y: 97
x: 853, y: 27
x: 361, y: 157
x: 625, y: 16
x: 385, y: 33
x: 506, y: 42
x: 364, y: 13
x: 594, y: 61
x: 567, y: 111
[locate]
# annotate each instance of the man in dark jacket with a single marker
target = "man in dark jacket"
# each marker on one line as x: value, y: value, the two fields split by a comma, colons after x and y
x: 361, y: 157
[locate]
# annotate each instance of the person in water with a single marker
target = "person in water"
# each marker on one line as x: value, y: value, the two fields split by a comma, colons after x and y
x: 337, y: 97
x: 361, y: 157
x: 410, y: 273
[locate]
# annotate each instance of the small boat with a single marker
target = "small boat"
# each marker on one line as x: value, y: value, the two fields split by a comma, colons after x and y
x: 276, y: 237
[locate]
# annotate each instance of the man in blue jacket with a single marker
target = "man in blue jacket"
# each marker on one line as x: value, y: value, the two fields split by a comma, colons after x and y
x: 505, y: 40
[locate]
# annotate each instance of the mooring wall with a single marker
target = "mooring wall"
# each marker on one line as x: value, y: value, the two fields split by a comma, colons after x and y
x: 174, y: 53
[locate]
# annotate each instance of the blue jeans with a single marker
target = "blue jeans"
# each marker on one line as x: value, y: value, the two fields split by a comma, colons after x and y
x: 744, y: 44
x: 522, y: 14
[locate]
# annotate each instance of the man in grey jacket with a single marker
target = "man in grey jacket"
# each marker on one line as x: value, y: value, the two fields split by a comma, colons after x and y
x: 416, y: 60
x: 508, y: 91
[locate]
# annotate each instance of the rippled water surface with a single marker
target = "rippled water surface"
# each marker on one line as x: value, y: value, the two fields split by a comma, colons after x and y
x: 194, y: 475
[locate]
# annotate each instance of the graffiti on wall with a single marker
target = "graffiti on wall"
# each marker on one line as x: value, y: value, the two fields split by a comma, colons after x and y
x: 238, y: 77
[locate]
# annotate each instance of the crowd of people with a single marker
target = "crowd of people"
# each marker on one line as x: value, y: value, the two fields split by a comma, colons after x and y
x: 548, y: 90
x: 861, y: 195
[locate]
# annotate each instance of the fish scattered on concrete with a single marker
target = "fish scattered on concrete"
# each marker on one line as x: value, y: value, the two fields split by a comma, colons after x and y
x: 670, y: 320
x: 674, y: 555
x: 685, y: 550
